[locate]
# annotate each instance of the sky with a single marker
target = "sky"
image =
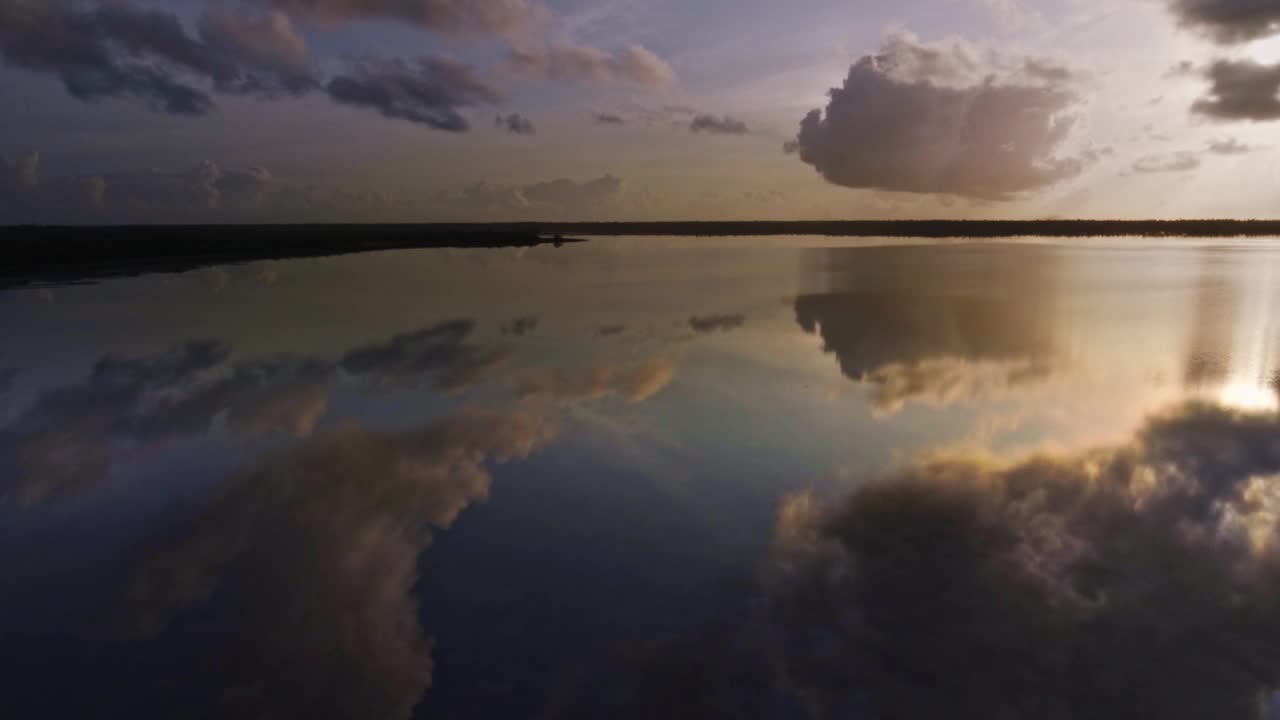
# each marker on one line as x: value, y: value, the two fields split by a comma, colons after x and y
x: 496, y: 110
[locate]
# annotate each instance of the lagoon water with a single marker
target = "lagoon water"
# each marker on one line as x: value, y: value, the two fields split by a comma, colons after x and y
x: 793, y: 478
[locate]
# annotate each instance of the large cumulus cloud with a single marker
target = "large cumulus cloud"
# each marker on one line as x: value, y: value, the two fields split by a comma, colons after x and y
x: 1138, y: 580
x: 923, y: 119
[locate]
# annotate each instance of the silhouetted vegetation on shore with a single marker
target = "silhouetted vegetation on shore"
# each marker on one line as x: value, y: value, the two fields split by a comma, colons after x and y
x: 922, y: 228
x: 58, y: 253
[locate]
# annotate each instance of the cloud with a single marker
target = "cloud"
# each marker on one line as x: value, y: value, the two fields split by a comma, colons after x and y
x: 1240, y: 90
x: 314, y: 557
x: 1131, y: 580
x: 118, y: 49
x: 454, y: 17
x: 707, y: 324
x: 430, y: 92
x: 268, y: 44
x: 633, y: 64
x: 566, y: 193
x: 722, y: 125
x: 439, y: 354
x: 200, y: 192
x: 551, y: 199
x: 926, y: 119
x: 111, y: 50
x: 1229, y: 21
x: 515, y: 123
x: 1229, y: 146
x: 635, y: 383
x: 1177, y: 162
x: 608, y: 119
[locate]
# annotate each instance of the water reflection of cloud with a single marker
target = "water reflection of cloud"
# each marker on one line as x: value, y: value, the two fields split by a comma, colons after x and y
x: 312, y: 557
x: 634, y: 383
x: 439, y: 353
x: 1138, y: 580
x: 935, y: 324
x: 67, y: 440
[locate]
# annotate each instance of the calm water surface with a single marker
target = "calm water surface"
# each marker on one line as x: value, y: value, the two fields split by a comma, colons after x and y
x: 649, y: 478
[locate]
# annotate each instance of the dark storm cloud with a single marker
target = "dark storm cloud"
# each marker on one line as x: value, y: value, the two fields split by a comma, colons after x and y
x: 1229, y: 146
x: 1139, y: 580
x: 430, y: 91
x: 707, y: 324
x: 439, y: 354
x: 313, y: 556
x: 1229, y: 21
x: 458, y: 17
x: 118, y: 49
x: 515, y: 123
x: 718, y: 125
x: 609, y: 119
x: 1177, y: 162
x: 1241, y: 90
x: 925, y: 119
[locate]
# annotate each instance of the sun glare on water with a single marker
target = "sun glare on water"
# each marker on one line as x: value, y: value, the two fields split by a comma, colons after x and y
x: 1246, y: 395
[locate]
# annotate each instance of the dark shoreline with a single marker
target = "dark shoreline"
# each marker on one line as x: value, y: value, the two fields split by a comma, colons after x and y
x: 34, y: 254
x: 936, y: 229
x: 59, y: 254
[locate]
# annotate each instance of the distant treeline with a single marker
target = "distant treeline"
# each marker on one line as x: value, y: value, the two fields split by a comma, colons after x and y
x: 57, y: 253
x: 924, y: 228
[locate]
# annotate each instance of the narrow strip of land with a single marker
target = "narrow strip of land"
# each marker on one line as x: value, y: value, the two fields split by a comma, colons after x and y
x: 36, y: 254
x: 918, y: 228
x: 30, y: 254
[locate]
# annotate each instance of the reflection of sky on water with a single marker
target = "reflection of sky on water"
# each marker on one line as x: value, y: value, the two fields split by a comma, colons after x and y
x: 478, y: 477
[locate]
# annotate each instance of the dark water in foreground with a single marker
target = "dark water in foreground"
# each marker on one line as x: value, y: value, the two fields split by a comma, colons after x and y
x: 652, y: 479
